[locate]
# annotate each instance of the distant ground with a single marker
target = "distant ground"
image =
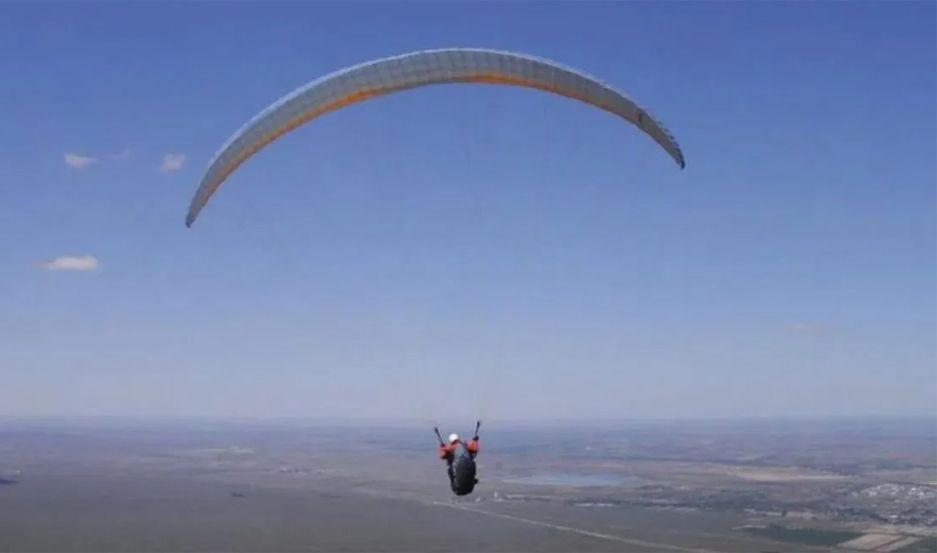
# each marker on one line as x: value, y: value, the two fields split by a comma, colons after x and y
x: 110, y: 485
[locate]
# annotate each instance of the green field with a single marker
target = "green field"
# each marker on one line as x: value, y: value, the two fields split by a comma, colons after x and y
x: 806, y: 536
x: 927, y: 545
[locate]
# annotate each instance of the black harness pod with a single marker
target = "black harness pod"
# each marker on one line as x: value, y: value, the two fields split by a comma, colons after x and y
x: 462, y: 472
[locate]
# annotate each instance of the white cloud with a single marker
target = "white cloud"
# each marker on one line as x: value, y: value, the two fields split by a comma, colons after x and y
x: 72, y: 263
x: 172, y: 162
x: 79, y: 161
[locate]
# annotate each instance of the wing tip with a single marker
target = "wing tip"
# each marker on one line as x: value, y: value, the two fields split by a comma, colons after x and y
x: 194, y: 209
x: 677, y: 154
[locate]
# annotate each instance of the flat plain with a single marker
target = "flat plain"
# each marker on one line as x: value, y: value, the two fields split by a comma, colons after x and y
x: 184, y: 485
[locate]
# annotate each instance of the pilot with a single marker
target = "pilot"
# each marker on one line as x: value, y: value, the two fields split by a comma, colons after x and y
x: 447, y: 452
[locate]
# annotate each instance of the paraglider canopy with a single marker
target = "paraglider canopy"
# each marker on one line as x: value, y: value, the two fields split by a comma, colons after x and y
x: 385, y: 76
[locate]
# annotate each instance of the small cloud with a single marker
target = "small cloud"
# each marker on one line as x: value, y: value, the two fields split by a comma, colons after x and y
x: 172, y: 162
x: 808, y: 329
x: 72, y: 263
x: 79, y: 161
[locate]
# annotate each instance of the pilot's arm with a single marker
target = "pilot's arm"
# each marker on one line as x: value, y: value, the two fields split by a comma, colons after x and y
x: 445, y: 452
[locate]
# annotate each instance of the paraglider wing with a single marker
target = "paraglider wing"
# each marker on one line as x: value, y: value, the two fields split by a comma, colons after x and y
x: 385, y: 76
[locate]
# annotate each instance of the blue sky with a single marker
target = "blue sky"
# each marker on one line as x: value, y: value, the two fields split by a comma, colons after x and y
x: 471, y: 250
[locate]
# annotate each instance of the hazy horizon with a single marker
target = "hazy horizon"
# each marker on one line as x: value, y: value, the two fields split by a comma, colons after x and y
x: 467, y: 423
